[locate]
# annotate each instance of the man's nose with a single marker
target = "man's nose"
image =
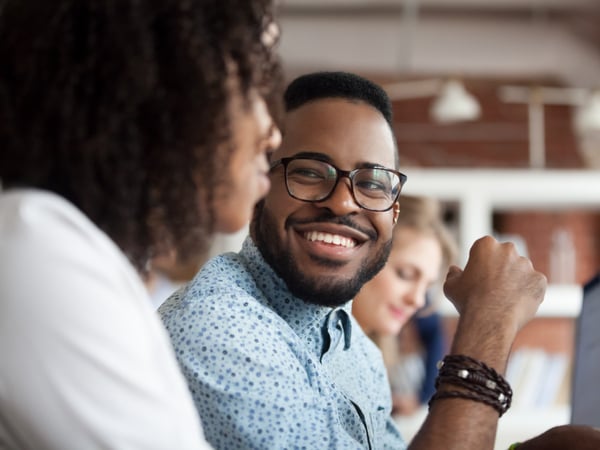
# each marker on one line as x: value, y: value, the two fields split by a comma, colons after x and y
x: 341, y: 201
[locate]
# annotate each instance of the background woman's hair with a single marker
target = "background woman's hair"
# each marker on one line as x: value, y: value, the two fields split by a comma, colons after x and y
x: 424, y: 215
x: 120, y: 107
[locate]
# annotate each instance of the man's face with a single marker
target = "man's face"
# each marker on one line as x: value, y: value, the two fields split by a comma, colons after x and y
x: 326, y: 251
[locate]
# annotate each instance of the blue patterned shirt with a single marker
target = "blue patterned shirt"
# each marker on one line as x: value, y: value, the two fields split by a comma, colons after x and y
x: 269, y: 371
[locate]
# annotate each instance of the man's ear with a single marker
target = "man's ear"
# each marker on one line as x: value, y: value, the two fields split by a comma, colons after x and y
x: 396, y: 209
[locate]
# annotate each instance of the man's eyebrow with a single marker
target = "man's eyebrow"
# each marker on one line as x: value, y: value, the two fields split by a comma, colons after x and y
x: 313, y: 155
x: 369, y: 165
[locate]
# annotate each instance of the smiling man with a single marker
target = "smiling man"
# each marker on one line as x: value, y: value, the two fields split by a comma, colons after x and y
x: 334, y: 233
x: 265, y: 337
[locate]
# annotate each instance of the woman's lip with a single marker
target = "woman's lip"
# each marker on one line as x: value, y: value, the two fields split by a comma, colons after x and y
x: 398, y: 313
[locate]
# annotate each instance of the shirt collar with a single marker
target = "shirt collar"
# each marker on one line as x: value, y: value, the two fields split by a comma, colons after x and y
x: 322, y: 327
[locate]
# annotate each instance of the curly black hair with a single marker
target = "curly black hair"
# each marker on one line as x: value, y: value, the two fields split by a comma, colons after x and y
x: 120, y: 106
x: 346, y: 85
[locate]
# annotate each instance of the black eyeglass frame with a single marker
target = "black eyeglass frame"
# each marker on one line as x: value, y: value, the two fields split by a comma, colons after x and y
x: 339, y: 174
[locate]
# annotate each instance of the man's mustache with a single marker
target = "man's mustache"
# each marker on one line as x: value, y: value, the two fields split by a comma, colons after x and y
x: 333, y: 219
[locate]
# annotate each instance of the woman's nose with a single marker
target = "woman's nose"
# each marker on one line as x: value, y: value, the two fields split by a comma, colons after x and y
x: 416, y: 297
x: 274, y: 137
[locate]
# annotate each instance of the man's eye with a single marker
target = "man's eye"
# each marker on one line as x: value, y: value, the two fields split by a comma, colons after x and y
x: 371, y: 185
x: 306, y: 173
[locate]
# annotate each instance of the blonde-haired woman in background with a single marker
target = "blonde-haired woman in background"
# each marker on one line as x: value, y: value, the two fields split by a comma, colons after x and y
x: 422, y: 249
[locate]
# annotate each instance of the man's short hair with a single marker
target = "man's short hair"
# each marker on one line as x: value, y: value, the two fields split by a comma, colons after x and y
x: 320, y: 85
x: 345, y: 85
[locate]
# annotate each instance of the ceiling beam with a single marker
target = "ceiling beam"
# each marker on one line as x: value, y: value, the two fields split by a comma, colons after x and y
x: 504, y: 8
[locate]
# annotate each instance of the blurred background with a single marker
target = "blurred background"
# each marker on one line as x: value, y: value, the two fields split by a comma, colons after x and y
x: 507, y: 87
x: 486, y: 47
x: 497, y: 114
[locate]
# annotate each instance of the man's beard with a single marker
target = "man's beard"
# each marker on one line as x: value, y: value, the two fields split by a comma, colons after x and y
x: 322, y: 291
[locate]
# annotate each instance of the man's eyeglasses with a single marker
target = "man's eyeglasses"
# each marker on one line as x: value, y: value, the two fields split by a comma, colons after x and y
x: 313, y: 180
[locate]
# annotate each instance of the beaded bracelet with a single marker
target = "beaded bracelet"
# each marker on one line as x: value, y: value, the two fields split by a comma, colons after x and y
x: 479, y: 382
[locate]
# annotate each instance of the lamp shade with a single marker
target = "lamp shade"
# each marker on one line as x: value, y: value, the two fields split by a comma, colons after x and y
x: 587, y: 117
x: 454, y: 104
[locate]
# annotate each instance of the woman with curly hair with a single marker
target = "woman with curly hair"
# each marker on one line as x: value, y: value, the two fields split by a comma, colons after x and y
x: 129, y: 129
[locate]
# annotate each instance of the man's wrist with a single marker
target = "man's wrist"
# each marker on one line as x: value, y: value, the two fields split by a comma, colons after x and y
x: 478, y: 338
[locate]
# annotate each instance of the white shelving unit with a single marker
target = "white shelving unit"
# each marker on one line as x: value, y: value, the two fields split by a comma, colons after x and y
x: 561, y: 300
x: 478, y: 193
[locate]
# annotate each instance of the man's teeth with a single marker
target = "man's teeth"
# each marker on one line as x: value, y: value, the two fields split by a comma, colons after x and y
x: 334, y: 239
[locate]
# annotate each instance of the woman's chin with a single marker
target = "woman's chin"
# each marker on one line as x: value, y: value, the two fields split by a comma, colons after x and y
x: 391, y: 328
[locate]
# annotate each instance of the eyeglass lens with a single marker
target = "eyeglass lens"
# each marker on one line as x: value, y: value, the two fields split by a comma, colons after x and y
x: 314, y: 180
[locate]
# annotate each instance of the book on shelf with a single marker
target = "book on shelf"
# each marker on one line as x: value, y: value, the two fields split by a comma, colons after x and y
x: 537, y: 377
